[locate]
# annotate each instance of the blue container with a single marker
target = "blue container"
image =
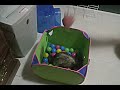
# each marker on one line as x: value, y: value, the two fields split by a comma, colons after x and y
x: 47, y: 17
x: 57, y: 17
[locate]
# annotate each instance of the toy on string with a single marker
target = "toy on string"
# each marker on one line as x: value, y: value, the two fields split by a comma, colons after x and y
x: 69, y: 17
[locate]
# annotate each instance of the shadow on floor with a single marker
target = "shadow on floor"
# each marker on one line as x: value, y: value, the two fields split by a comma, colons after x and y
x: 27, y: 73
x: 117, y: 50
x: 96, y: 43
x: 100, y: 43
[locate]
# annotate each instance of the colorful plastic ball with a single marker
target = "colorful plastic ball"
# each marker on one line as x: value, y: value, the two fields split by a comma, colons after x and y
x: 46, y: 55
x: 53, y: 50
x: 67, y: 49
x: 59, y: 50
x: 49, y: 49
x: 69, y: 53
x: 45, y: 60
x: 52, y: 46
x: 62, y: 48
x: 71, y: 50
x: 53, y: 54
x: 73, y: 54
x: 50, y: 65
x: 57, y: 46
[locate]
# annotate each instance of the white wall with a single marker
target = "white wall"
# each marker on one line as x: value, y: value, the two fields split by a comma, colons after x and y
x: 100, y: 25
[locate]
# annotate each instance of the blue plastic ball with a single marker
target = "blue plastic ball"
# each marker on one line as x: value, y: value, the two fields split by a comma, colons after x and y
x: 62, y: 48
x: 45, y: 60
x: 53, y: 50
x: 52, y: 46
x: 69, y: 53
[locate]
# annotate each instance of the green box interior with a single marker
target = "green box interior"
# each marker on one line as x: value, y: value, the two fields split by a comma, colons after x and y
x: 68, y: 38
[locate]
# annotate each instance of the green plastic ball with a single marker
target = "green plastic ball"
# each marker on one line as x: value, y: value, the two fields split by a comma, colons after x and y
x: 71, y: 50
x: 67, y: 49
x: 50, y: 65
x: 49, y: 49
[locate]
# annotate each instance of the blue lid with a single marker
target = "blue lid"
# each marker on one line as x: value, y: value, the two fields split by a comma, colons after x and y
x: 45, y: 10
x: 57, y: 10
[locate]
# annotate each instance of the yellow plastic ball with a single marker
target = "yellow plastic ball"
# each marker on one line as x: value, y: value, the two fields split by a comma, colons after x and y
x: 46, y: 55
x: 59, y: 50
